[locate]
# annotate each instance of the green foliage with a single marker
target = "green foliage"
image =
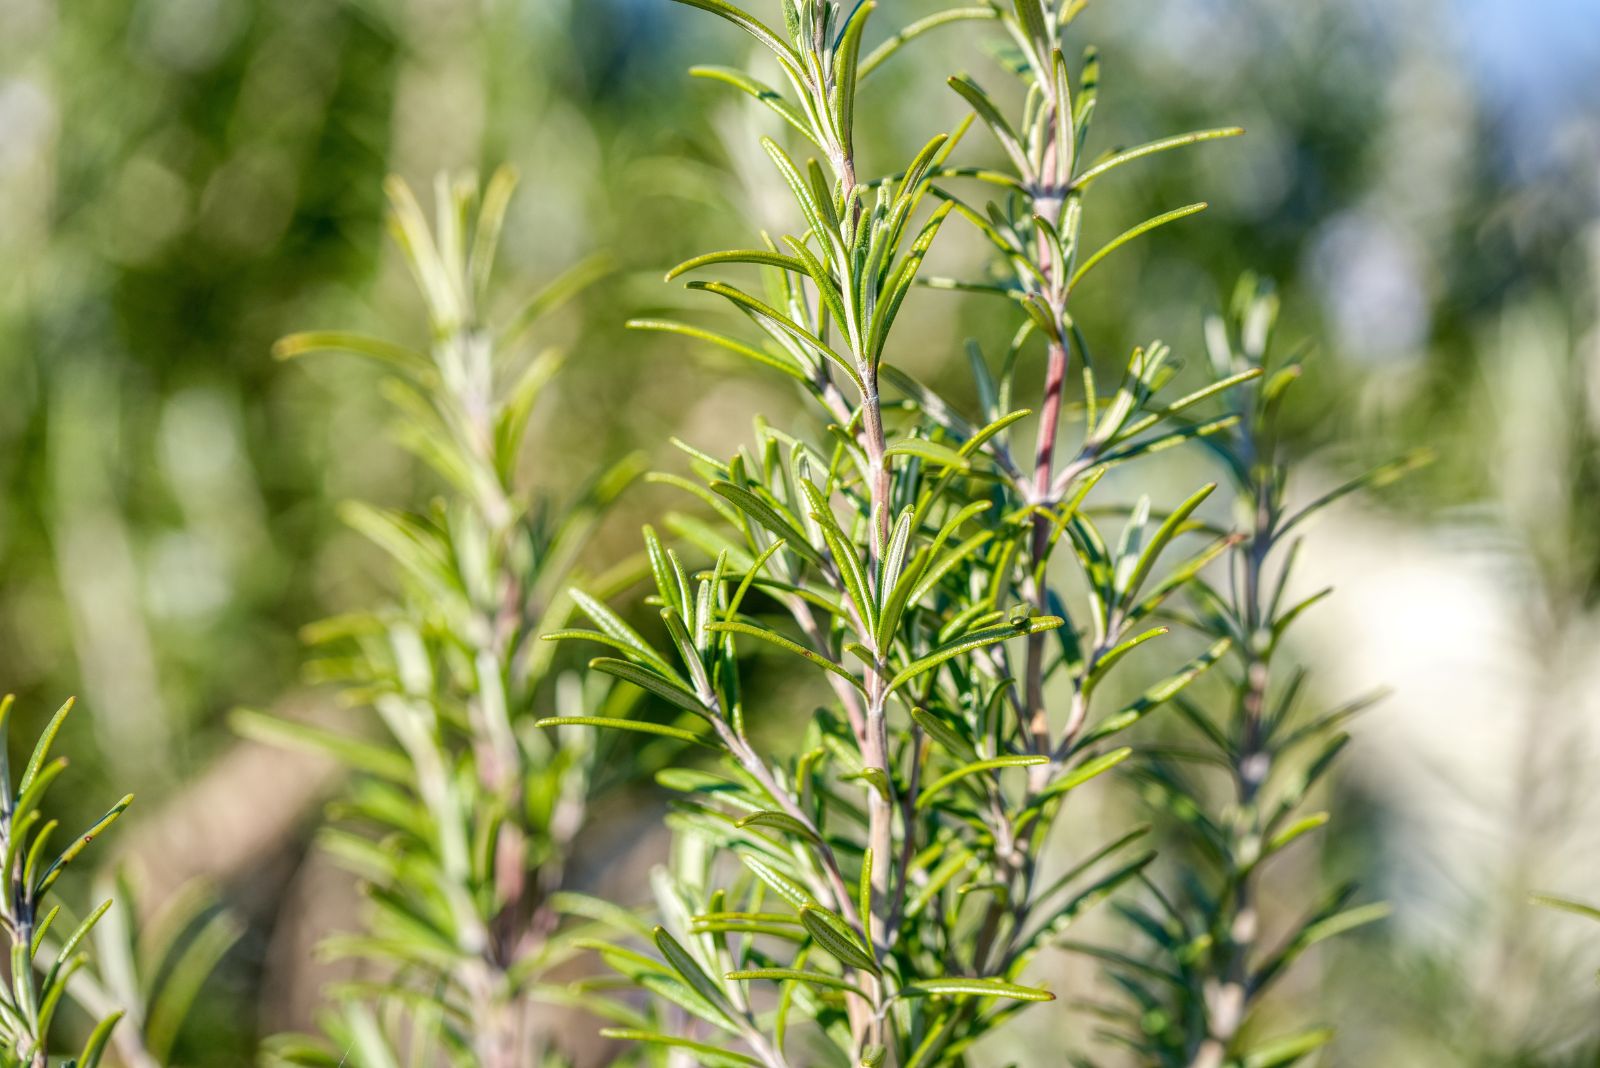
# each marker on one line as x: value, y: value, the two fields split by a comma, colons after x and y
x: 891, y: 895
x: 152, y: 965
x: 461, y: 815
x: 41, y: 967
x: 1211, y: 963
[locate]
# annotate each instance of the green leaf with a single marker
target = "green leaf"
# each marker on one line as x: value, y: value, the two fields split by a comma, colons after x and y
x: 780, y: 821
x: 1565, y: 905
x: 667, y: 326
x: 894, y: 292
x: 1305, y: 825
x: 565, y: 286
x: 1329, y: 922
x: 846, y: 62
x: 646, y: 679
x: 1185, y: 402
x: 746, y: 22
x: 1128, y: 235
x: 772, y: 319
x: 1348, y: 920
x: 1280, y: 1052
x: 835, y: 936
x: 762, y: 92
x: 1149, y: 148
x: 387, y: 353
x: 763, y: 257
x: 980, y: 102
x: 876, y: 778
x: 491, y: 221
x: 1065, y: 136
x: 916, y: 29
x: 1089, y: 769
x: 95, y: 1047
x: 1111, y: 657
x: 1382, y: 475
x: 931, y: 451
x: 785, y: 887
x: 80, y: 843
x: 798, y: 975
x: 716, y: 1056
x: 1169, y: 529
x: 41, y: 750
x: 1032, y: 16
x: 977, y: 987
x: 776, y: 639
x: 186, y: 969
x: 1155, y: 696
x: 764, y: 514
x: 689, y: 970
x: 967, y: 643
x: 638, y: 725
x: 943, y: 733
x: 353, y: 752
x: 933, y: 789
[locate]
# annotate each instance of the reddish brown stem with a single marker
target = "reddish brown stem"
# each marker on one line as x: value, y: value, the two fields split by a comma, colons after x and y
x: 1043, y: 470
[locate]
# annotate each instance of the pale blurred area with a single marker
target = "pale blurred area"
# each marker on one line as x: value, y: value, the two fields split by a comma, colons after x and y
x: 183, y: 181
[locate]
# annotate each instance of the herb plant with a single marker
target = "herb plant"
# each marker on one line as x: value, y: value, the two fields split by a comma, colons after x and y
x: 893, y: 882
x: 1192, y: 1004
x: 45, y: 960
x: 461, y: 816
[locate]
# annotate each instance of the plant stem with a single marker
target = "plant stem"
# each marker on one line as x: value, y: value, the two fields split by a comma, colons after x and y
x: 1227, y: 996
x: 1043, y: 468
x: 875, y: 753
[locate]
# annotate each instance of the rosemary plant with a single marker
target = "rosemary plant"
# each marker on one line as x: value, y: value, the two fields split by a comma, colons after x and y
x: 1215, y: 959
x: 893, y: 883
x: 461, y: 818
x: 41, y: 968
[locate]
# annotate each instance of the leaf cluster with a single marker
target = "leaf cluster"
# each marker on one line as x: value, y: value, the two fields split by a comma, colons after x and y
x: 44, y: 960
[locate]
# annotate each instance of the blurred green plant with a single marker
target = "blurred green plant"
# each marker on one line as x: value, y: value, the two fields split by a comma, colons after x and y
x: 1567, y: 904
x: 461, y: 819
x: 1191, y: 1002
x: 892, y: 860
x: 152, y: 971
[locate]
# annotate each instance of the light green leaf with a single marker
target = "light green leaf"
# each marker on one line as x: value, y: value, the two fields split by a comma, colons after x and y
x: 976, y: 987
x: 776, y: 639
x: 354, y: 752
x: 716, y: 1056
x: 834, y: 935
x: 1150, y: 148
x: 646, y: 679
x: 637, y: 725
x: 933, y: 789
x: 1130, y: 234
x: 798, y: 975
x: 746, y: 22
x: 968, y: 642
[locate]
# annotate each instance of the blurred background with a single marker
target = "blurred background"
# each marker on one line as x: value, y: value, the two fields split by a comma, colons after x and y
x: 184, y: 181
